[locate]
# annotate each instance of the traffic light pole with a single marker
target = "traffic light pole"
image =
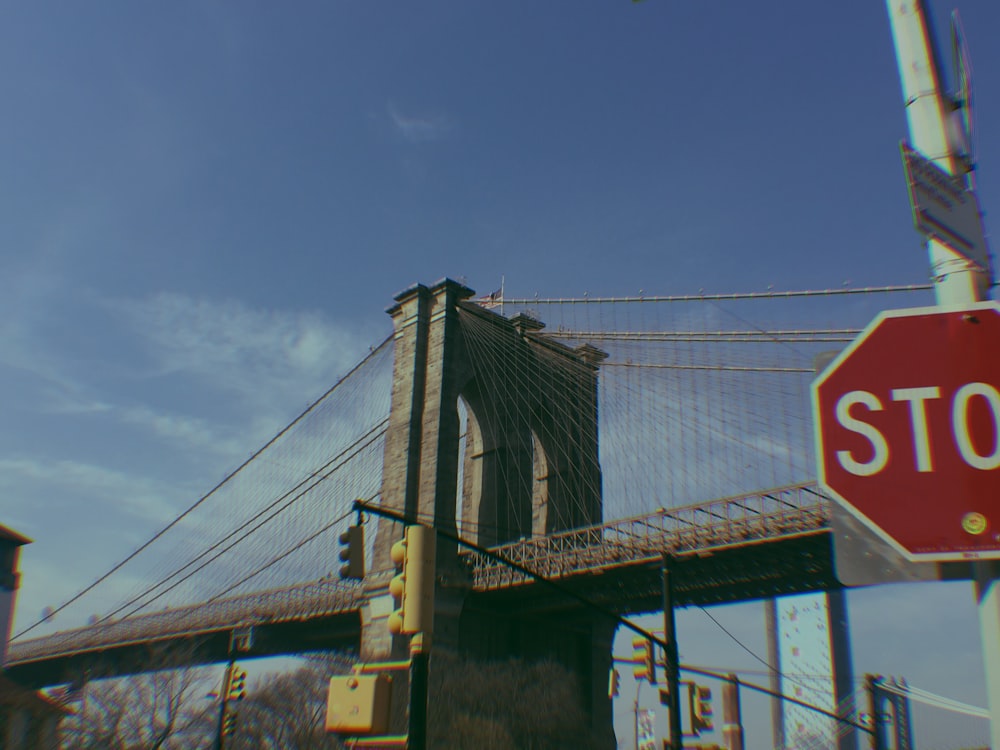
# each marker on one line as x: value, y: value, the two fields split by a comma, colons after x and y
x: 223, y: 695
x: 672, y: 658
x: 419, y: 672
x: 635, y: 716
x: 575, y: 595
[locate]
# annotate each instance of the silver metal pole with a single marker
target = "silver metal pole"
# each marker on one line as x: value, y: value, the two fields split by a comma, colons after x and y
x: 935, y: 132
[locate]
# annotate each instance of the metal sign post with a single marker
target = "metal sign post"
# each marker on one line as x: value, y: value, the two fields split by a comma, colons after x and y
x: 937, y: 130
x: 945, y: 208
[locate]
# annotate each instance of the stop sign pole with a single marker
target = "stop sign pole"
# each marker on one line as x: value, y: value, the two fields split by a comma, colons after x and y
x: 908, y: 431
x: 936, y: 130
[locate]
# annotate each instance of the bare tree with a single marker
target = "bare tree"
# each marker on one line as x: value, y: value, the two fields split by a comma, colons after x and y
x: 163, y: 709
x: 505, y: 705
x: 158, y: 710
x: 287, y: 711
x: 499, y: 705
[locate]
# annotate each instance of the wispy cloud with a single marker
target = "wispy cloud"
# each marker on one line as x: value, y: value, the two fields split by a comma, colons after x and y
x: 420, y: 128
x: 267, y: 356
x: 205, y: 336
x: 256, y: 366
x: 61, y: 402
x: 176, y: 393
x: 190, y: 432
x: 78, y: 486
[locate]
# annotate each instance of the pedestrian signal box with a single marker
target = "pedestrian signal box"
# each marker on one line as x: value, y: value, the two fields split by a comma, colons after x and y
x: 358, y: 704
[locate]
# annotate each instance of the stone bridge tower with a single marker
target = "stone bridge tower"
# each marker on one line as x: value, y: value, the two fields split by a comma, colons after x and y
x: 525, y: 464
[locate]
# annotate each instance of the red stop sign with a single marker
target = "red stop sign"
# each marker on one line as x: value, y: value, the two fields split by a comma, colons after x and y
x: 907, y: 422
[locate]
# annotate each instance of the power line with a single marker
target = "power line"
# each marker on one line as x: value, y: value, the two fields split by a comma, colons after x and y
x: 771, y: 669
x: 737, y: 641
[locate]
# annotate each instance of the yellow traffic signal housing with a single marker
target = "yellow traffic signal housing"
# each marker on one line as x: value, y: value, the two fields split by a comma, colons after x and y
x: 614, y: 684
x: 229, y: 724
x: 413, y: 587
x: 358, y: 704
x: 353, y: 553
x: 700, y: 704
x: 643, y: 664
x: 237, y: 685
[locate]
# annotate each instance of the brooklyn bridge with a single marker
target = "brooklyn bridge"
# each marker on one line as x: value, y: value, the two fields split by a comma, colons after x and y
x: 579, y: 438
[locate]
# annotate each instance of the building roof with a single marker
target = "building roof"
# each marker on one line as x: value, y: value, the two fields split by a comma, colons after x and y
x: 13, y: 694
x: 9, y: 535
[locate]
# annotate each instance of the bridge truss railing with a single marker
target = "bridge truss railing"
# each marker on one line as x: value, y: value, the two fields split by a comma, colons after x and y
x: 299, y: 602
x: 749, y: 518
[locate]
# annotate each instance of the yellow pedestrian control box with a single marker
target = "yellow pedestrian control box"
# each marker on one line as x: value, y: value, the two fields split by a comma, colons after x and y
x: 358, y: 704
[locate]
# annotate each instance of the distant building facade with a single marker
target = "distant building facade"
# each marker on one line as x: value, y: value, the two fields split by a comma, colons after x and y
x: 29, y: 720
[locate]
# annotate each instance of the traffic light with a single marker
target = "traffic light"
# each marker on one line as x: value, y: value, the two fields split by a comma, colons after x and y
x: 353, y: 553
x: 237, y: 685
x: 614, y: 683
x: 643, y: 665
x: 700, y: 703
x: 229, y: 724
x: 413, y: 586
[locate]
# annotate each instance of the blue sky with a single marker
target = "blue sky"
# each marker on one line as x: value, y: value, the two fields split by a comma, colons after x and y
x: 209, y: 205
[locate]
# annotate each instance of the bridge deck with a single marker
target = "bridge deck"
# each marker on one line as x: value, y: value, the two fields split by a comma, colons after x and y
x: 751, y: 518
x: 626, y: 547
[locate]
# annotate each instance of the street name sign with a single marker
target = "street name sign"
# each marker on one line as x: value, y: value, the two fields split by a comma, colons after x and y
x: 944, y: 208
x: 907, y: 427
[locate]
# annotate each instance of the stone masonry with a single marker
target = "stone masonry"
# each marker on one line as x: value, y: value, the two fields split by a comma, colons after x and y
x: 529, y: 467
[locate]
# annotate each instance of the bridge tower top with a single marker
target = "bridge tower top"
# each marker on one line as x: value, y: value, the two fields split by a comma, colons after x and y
x: 492, y: 425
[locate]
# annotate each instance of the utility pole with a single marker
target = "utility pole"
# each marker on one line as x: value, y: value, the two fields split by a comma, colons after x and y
x: 935, y: 131
x: 933, y: 120
x: 635, y: 716
x: 732, y: 716
x: 774, y: 660
x: 671, y: 657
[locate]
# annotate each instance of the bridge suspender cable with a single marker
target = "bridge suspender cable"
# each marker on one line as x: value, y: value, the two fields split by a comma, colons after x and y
x: 401, y: 518
x: 723, y: 296
x: 932, y: 699
x: 220, y: 547
x: 118, y: 566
